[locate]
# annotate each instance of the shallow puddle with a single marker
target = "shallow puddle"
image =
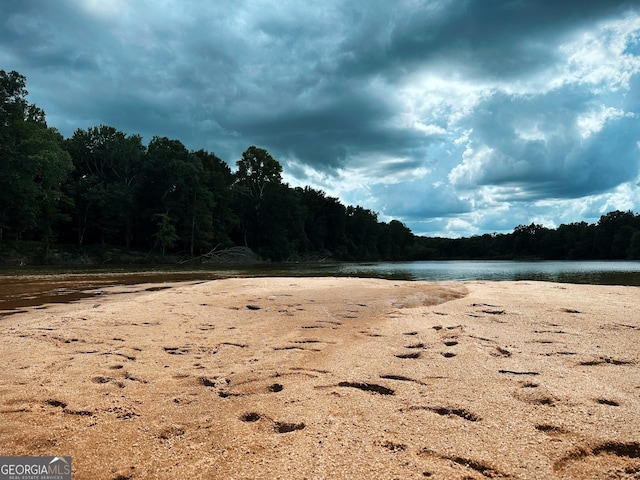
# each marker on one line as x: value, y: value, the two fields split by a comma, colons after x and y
x: 19, y: 291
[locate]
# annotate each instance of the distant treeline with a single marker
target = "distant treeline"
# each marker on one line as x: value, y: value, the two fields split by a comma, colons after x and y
x: 616, y: 236
x: 102, y: 188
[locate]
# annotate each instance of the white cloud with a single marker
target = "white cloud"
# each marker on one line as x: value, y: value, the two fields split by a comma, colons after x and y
x: 105, y: 9
x: 599, y: 56
x: 429, y: 130
x: 593, y: 121
x: 440, y: 96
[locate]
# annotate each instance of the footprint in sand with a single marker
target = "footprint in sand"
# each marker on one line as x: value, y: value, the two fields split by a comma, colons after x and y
x: 411, y: 355
x: 609, y: 459
x: 401, y: 378
x: 605, y: 361
x: 536, y: 396
x: 500, y: 352
x: 368, y: 387
x: 278, y: 427
x: 394, y: 447
x: 551, y: 430
x: 447, y: 412
x: 477, y: 466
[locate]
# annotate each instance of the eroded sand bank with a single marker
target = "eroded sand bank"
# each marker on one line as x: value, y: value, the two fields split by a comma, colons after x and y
x: 329, y: 378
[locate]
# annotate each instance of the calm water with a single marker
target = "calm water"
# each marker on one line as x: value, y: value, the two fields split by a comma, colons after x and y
x: 23, y: 287
x: 594, y: 272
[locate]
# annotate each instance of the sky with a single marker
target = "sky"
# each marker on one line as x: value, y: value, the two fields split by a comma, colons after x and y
x: 456, y: 117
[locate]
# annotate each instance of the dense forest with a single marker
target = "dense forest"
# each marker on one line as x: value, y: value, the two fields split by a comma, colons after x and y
x: 616, y: 236
x: 104, y: 191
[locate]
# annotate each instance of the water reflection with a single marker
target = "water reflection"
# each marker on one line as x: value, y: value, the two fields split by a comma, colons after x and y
x: 593, y: 272
x: 32, y: 287
x: 24, y: 287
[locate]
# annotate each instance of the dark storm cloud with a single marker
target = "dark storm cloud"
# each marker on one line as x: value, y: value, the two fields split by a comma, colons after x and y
x: 325, y: 134
x: 489, y: 38
x: 47, y: 35
x: 418, y: 109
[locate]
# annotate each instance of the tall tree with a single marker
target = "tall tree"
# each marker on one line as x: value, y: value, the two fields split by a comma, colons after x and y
x: 257, y: 169
x: 108, y: 166
x: 13, y: 102
x: 213, y: 216
x: 282, y: 224
x: 258, y: 173
x: 170, y: 187
x: 362, y: 233
x: 614, y: 233
x: 325, y: 220
x: 395, y: 240
x: 32, y: 162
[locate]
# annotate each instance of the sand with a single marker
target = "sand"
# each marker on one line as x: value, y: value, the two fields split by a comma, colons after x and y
x: 292, y: 378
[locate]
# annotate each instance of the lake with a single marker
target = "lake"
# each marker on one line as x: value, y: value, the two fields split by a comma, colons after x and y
x: 594, y: 272
x: 33, y: 286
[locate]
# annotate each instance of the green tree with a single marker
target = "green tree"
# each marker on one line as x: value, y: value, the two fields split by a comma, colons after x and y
x: 283, y: 222
x: 395, y: 240
x: 633, y: 252
x: 33, y: 164
x: 325, y: 220
x: 49, y: 166
x: 170, y: 186
x: 257, y: 169
x: 526, y: 239
x: 622, y: 241
x: 108, y: 166
x: 212, y: 217
x: 362, y: 233
x: 165, y: 234
x: 218, y: 179
x: 13, y: 103
x: 612, y: 238
x: 257, y: 175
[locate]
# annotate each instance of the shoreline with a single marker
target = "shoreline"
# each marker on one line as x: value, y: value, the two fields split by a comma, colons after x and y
x: 292, y: 377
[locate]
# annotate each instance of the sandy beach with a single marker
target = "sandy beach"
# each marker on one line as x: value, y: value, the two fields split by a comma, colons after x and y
x: 329, y: 378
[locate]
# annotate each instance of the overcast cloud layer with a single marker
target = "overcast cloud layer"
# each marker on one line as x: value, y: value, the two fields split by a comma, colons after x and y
x: 457, y: 117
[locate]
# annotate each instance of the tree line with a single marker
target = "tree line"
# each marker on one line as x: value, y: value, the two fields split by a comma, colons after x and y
x: 616, y: 236
x: 104, y: 187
